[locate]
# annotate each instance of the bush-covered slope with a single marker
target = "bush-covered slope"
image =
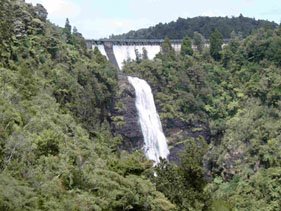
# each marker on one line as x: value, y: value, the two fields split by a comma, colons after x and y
x: 204, y: 25
x: 57, y: 151
x: 56, y: 148
x: 239, y: 97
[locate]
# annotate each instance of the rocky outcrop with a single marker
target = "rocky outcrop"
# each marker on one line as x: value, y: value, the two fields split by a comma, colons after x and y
x: 125, y: 123
x: 178, y: 132
x: 125, y: 117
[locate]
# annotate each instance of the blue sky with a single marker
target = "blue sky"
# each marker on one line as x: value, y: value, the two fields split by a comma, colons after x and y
x: 101, y: 18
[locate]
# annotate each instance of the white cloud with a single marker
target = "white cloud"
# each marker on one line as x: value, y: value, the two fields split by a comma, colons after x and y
x: 103, y: 27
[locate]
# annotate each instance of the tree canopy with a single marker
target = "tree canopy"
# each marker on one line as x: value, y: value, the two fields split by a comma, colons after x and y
x: 204, y: 25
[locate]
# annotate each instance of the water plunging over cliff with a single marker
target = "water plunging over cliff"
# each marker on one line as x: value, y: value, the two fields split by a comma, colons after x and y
x: 154, y: 138
x: 123, y: 53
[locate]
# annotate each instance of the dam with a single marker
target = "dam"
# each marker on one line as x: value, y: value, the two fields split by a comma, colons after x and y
x: 120, y: 51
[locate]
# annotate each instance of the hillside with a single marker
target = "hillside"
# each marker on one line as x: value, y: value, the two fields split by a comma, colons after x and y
x: 237, y: 95
x: 56, y: 147
x: 204, y: 25
x: 64, y: 140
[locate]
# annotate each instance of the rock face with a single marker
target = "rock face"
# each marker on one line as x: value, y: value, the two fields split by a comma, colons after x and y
x: 178, y: 132
x: 125, y: 122
x: 125, y: 117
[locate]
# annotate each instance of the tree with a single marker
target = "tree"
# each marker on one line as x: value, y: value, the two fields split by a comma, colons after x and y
x: 166, y: 49
x: 187, y: 188
x: 186, y: 47
x: 234, y: 41
x: 67, y: 26
x: 6, y: 22
x: 138, y: 56
x: 100, y: 59
x: 144, y: 53
x: 216, y: 42
x: 67, y: 31
x: 198, y: 40
x: 75, y: 30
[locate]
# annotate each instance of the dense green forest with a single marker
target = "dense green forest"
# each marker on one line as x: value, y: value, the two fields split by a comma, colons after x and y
x: 237, y: 91
x: 204, y: 25
x: 57, y: 149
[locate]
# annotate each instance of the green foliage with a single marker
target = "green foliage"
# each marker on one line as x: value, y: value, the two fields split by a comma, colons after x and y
x: 204, y: 25
x: 258, y: 192
x: 144, y: 53
x: 16, y: 195
x: 176, y: 83
x: 57, y: 151
x: 5, y: 23
x: 187, y: 187
x: 68, y: 31
x: 167, y: 50
x: 263, y: 45
x: 216, y: 45
x: 56, y: 148
x: 198, y: 41
x: 186, y: 47
x: 239, y: 96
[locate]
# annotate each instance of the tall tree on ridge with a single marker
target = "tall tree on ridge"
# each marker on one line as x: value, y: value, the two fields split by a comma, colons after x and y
x: 186, y: 47
x: 167, y: 49
x: 199, y: 41
x: 67, y: 30
x: 216, y: 42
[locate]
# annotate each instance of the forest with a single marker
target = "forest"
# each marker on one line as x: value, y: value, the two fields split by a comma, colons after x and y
x: 243, y: 26
x: 58, y: 150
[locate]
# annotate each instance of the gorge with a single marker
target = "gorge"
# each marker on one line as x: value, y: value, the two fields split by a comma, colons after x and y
x: 76, y: 133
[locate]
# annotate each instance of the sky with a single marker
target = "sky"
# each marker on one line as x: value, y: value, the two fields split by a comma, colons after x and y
x: 100, y: 18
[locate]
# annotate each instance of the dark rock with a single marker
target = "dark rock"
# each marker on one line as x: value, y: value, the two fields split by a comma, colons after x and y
x: 178, y: 132
x: 176, y: 127
x: 125, y: 117
x: 125, y: 123
x: 175, y: 151
x: 231, y: 162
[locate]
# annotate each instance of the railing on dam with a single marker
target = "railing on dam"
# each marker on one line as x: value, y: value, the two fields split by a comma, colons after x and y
x: 130, y: 41
x: 136, y: 42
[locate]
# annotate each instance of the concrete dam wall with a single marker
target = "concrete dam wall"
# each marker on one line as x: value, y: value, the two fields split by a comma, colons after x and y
x: 119, y: 52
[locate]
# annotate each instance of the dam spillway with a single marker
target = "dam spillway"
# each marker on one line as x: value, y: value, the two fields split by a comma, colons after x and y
x: 124, y: 53
x: 120, y: 51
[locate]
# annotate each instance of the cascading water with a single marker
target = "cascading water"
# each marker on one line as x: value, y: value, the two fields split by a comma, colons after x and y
x: 154, y: 138
x: 124, y: 52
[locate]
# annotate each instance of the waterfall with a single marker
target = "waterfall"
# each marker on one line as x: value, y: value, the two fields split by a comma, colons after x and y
x: 155, y: 141
x: 124, y: 52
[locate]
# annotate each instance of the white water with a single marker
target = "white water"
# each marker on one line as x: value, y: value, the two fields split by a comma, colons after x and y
x: 127, y: 52
x: 154, y: 138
